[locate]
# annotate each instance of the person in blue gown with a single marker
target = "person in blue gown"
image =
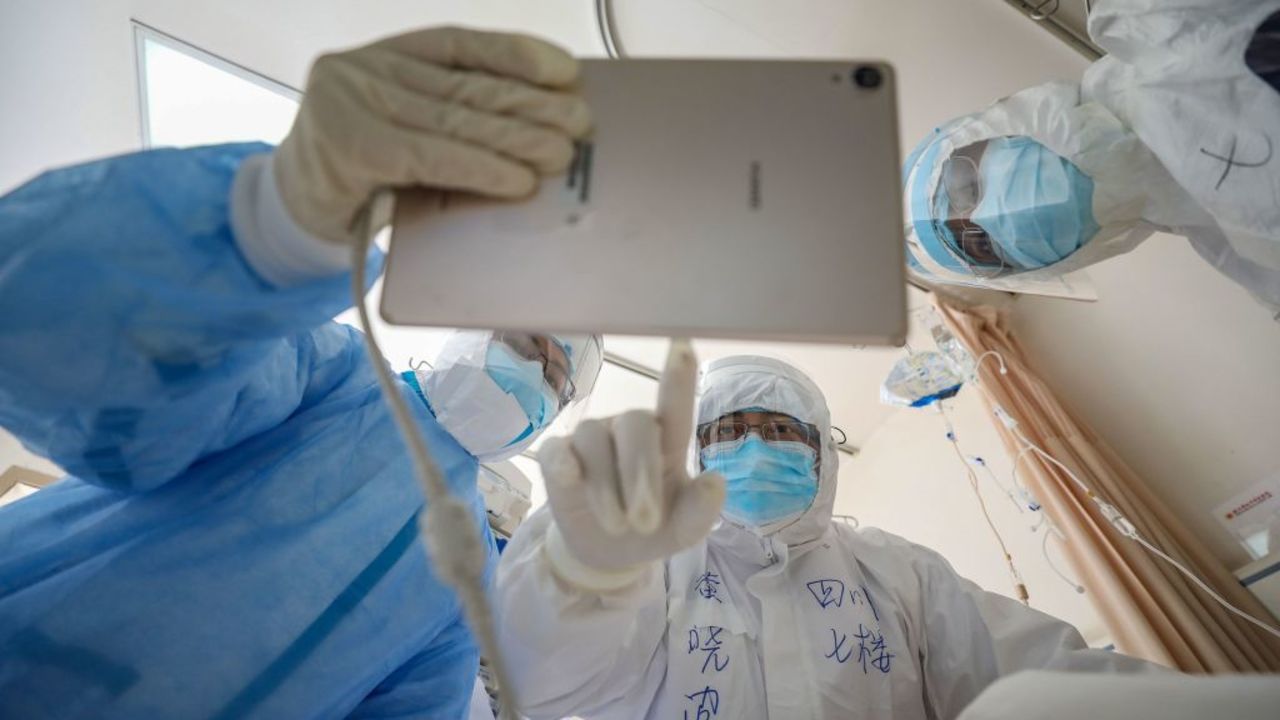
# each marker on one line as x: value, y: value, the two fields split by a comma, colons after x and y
x: 236, y: 535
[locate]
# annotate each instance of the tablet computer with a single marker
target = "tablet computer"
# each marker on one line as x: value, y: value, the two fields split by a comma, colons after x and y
x: 742, y: 199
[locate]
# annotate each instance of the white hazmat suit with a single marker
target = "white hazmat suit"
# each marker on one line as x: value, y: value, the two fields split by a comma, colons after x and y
x: 1177, y: 129
x: 813, y: 619
x: 1190, y: 79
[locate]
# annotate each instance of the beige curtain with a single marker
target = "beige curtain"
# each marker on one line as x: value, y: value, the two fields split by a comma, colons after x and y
x: 1152, y: 610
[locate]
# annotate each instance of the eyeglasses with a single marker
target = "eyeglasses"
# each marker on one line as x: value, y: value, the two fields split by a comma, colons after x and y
x: 977, y: 246
x: 730, y: 429
x: 963, y: 182
x: 541, y: 348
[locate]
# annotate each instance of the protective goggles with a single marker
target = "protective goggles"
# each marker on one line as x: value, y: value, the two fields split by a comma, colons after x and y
x: 548, y: 353
x: 731, y: 428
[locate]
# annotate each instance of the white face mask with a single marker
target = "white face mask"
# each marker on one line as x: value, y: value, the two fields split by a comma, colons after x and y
x: 486, y: 419
x: 483, y: 419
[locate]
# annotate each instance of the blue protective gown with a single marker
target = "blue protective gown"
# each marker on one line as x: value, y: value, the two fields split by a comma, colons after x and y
x: 236, y: 537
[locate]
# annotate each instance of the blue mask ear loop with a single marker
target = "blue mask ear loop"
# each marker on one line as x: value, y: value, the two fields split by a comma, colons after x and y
x: 411, y: 378
x: 516, y: 377
x: 527, y: 432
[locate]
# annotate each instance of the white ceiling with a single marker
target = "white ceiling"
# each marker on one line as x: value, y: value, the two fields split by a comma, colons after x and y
x: 849, y: 377
x: 951, y: 57
x: 945, y: 60
x: 62, y: 63
x: 191, y: 102
x: 921, y: 38
x: 943, y: 71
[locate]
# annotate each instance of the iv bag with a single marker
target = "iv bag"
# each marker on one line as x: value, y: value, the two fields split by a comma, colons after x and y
x: 921, y: 379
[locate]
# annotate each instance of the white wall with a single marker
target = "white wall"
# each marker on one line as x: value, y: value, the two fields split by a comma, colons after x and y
x: 907, y: 480
x: 1174, y: 365
x: 951, y: 56
x: 1177, y: 368
x: 66, y: 85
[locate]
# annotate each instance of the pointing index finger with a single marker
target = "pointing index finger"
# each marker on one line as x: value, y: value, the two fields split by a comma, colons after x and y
x: 675, y: 402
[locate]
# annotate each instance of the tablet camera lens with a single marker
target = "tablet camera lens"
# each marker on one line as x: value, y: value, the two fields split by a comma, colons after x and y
x: 867, y: 77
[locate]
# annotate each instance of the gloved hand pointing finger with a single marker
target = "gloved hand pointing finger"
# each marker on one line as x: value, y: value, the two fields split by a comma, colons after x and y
x: 619, y: 490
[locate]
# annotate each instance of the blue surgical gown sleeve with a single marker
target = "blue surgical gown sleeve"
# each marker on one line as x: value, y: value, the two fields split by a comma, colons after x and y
x: 419, y: 683
x: 238, y: 535
x: 134, y: 338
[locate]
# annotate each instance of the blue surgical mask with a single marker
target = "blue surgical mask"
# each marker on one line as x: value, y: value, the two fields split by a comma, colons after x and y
x: 523, y: 380
x: 765, y: 482
x: 1036, y: 206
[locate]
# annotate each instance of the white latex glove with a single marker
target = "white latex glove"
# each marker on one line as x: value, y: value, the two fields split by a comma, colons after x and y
x: 444, y: 108
x: 619, y: 491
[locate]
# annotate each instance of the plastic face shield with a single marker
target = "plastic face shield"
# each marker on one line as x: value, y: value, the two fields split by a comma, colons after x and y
x: 993, y: 209
x: 584, y: 355
x: 570, y: 363
x: 551, y: 354
x: 961, y: 191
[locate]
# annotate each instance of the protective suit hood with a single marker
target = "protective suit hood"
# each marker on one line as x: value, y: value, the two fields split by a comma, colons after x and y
x: 748, y: 381
x: 1190, y: 79
x: 1133, y: 194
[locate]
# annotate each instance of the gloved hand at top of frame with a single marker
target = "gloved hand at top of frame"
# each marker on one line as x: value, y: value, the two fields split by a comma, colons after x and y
x: 445, y: 108
x: 620, y: 491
